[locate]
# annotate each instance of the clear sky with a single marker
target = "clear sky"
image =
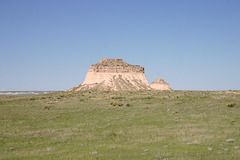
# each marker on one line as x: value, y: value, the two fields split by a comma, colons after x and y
x: 50, y: 44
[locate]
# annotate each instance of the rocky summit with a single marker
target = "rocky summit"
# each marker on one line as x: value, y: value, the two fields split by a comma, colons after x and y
x: 114, y: 74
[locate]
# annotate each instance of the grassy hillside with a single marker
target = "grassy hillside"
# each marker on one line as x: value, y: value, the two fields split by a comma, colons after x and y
x: 121, y: 125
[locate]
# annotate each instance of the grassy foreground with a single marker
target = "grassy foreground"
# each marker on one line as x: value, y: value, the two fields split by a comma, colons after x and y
x: 147, y: 125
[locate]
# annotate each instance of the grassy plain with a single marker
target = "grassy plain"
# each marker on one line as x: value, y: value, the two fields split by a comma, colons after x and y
x: 149, y: 125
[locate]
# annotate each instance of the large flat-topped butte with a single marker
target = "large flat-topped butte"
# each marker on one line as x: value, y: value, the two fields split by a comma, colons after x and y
x: 115, y: 74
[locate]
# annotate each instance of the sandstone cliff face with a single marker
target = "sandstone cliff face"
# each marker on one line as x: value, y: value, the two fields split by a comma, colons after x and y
x: 160, y: 84
x: 114, y: 74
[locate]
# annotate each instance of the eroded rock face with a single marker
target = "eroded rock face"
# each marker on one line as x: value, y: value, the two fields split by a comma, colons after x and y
x: 114, y: 74
x: 160, y: 84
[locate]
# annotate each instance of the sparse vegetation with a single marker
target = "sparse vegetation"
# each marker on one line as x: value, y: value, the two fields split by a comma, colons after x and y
x: 108, y: 125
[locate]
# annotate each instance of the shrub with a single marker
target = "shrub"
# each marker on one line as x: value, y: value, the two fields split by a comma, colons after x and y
x: 117, y: 97
x: 150, y: 97
x: 128, y: 105
x: 232, y: 104
x: 47, y: 107
x: 116, y: 104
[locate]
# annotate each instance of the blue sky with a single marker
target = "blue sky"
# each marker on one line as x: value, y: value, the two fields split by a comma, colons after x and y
x: 50, y: 44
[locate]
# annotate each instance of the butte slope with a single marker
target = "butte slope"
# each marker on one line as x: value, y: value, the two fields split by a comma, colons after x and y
x: 114, y: 74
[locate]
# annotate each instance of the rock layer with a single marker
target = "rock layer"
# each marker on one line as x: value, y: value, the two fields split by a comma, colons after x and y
x: 160, y: 84
x: 114, y: 74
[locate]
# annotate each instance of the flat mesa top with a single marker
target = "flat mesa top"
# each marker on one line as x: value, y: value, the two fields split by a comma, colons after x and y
x: 112, y: 62
x: 115, y: 66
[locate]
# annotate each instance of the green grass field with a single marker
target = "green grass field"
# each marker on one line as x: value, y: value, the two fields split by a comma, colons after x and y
x: 149, y: 125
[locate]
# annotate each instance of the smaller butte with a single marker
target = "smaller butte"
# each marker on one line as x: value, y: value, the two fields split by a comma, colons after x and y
x: 160, y: 84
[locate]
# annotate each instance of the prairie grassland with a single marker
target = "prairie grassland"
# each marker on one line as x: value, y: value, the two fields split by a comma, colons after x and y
x: 93, y: 125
